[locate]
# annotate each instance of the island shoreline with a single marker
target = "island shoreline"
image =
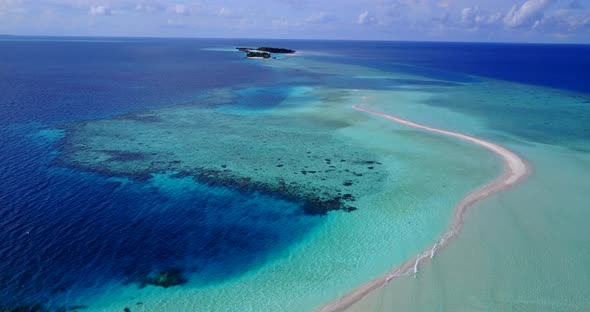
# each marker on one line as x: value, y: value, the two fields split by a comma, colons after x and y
x: 515, y: 171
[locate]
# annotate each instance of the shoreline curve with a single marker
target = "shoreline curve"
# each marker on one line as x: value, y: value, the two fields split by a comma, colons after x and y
x: 515, y: 171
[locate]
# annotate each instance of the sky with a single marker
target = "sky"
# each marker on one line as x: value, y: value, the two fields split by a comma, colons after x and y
x: 559, y: 21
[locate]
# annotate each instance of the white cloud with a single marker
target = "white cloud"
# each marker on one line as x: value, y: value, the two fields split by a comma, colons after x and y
x: 563, y: 22
x: 297, y: 4
x: 365, y: 18
x: 179, y: 9
x: 223, y: 12
x: 393, y: 15
x: 8, y: 6
x: 280, y: 23
x: 320, y: 18
x: 471, y: 18
x: 97, y: 10
x: 174, y: 24
x: 494, y: 18
x: 443, y: 4
x: 474, y: 18
x: 527, y: 14
x: 511, y: 20
x: 148, y: 7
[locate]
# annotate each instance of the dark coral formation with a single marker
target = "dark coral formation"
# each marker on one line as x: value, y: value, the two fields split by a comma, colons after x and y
x: 227, y: 151
x: 165, y: 278
x: 123, y: 155
x: 311, y: 202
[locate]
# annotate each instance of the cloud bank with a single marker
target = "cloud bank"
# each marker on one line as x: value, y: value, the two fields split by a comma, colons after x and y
x: 453, y: 20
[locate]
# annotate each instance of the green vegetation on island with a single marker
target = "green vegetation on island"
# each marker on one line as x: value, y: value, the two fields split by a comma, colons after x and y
x: 276, y: 50
x: 264, y: 52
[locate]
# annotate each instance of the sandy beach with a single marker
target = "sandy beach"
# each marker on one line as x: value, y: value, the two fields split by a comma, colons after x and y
x: 515, y: 170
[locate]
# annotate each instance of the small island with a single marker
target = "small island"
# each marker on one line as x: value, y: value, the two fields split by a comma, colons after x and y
x: 276, y: 50
x: 264, y: 52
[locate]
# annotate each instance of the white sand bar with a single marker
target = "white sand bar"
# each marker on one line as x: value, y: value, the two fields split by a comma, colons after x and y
x: 515, y: 170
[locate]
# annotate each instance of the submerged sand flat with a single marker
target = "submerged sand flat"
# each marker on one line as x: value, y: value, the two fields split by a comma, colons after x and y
x: 515, y: 171
x: 292, y: 158
x: 523, y: 249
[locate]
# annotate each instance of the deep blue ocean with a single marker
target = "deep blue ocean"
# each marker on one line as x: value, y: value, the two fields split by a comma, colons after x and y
x: 65, y: 234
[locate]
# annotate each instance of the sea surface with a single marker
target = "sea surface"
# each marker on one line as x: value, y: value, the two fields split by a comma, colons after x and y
x: 257, y: 183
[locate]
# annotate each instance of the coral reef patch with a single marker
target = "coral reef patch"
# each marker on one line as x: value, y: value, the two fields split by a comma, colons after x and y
x: 165, y: 278
x: 297, y: 159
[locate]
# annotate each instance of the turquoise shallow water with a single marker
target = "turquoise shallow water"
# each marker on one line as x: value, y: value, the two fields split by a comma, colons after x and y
x: 523, y: 249
x: 259, y: 184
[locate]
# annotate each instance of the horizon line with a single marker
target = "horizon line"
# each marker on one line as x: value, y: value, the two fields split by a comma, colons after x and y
x: 2, y: 36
